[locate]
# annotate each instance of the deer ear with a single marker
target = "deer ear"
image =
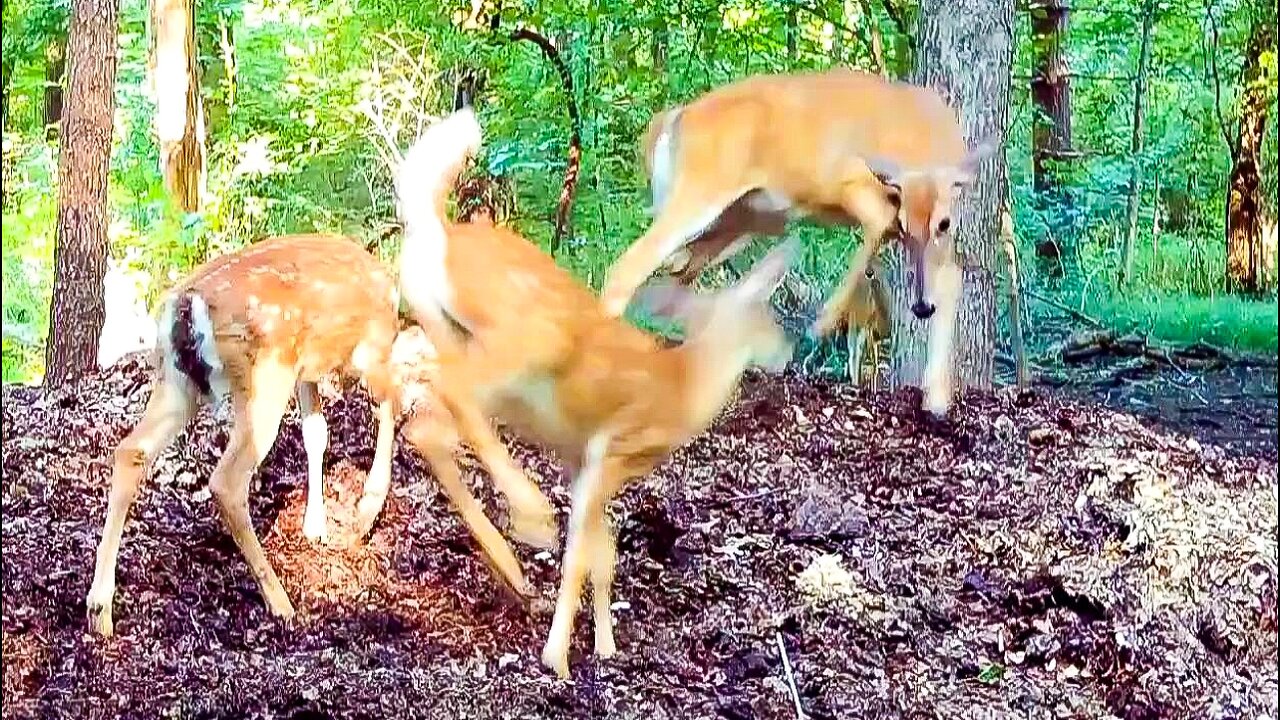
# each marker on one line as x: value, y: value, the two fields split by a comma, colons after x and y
x: 884, y: 170
x: 668, y: 299
x: 767, y: 274
x: 967, y: 170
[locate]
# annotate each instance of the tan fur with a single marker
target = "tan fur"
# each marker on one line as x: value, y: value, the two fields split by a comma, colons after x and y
x: 285, y: 312
x: 840, y: 146
x: 541, y: 357
x: 865, y: 321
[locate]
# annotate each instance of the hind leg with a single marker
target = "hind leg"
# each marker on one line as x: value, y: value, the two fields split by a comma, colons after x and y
x: 257, y: 422
x: 378, y: 483
x: 424, y: 435
x: 171, y: 405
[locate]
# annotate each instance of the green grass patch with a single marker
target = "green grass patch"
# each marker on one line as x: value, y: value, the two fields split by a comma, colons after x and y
x: 1225, y: 321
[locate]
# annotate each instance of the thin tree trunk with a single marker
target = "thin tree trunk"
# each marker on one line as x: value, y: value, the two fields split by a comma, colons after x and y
x: 179, y: 116
x: 80, y: 253
x: 1051, y: 127
x: 1244, y: 184
x: 1136, y: 140
x: 877, y: 40
x: 1009, y: 242
x: 791, y: 32
x: 904, y: 41
x: 55, y: 70
x: 965, y: 51
x: 565, y: 205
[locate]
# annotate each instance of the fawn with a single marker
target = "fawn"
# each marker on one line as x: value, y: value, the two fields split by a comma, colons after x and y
x: 862, y: 311
x: 522, y: 340
x: 246, y: 328
x: 841, y: 146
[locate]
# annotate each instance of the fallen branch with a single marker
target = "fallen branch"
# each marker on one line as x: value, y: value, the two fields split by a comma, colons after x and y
x: 1065, y: 308
x: 791, y: 681
x: 1196, y: 356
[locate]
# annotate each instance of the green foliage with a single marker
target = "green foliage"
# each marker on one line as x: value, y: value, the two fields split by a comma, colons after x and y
x: 293, y: 146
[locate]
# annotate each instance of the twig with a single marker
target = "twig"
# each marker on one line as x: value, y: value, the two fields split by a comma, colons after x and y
x: 791, y: 681
x: 1065, y: 308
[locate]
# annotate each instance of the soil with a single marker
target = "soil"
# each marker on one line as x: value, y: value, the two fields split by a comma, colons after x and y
x: 1039, y: 556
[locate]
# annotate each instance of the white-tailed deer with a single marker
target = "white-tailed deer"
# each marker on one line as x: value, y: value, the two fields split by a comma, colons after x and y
x: 247, y: 328
x: 536, y: 352
x: 841, y: 146
x: 865, y: 321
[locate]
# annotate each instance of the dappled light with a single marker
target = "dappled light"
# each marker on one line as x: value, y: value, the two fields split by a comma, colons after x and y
x: 743, y: 359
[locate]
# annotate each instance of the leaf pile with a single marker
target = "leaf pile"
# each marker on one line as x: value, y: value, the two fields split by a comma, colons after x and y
x: 1038, y: 557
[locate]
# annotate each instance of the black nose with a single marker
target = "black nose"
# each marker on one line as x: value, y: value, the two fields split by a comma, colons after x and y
x: 922, y: 311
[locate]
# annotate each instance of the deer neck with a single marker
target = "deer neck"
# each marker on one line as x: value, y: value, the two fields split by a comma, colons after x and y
x: 712, y: 370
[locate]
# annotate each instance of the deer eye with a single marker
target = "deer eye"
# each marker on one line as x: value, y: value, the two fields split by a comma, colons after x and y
x: 894, y: 197
x: 944, y: 225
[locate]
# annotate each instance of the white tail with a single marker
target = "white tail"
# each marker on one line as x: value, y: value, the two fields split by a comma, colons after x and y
x: 542, y: 357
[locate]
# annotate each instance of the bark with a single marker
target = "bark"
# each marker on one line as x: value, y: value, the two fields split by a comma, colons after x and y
x: 77, y: 309
x: 791, y: 33
x: 965, y: 51
x: 179, y: 116
x: 1244, y: 184
x: 567, y: 192
x: 8, y: 80
x: 55, y: 70
x: 1051, y: 145
x: 1136, y: 140
x: 904, y: 40
x: 877, y: 40
x: 1009, y: 243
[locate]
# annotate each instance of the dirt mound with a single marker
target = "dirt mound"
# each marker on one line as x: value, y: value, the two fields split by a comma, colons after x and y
x: 1036, y: 558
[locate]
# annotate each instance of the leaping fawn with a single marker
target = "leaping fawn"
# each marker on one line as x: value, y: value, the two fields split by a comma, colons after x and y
x: 521, y: 340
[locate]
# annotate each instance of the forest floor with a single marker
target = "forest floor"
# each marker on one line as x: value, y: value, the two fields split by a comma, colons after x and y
x: 1055, y: 555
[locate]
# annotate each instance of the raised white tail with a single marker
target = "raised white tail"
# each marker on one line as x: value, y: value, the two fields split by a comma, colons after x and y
x: 423, y: 183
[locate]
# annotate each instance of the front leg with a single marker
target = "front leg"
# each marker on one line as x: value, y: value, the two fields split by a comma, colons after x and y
x: 948, y: 279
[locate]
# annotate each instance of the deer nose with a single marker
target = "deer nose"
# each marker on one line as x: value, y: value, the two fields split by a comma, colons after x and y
x: 922, y: 310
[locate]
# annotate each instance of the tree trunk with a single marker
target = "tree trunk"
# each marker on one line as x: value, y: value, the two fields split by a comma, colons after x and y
x: 55, y: 70
x: 965, y: 51
x: 877, y: 40
x: 1136, y: 139
x: 179, y: 117
x: 791, y: 33
x: 1244, y: 184
x: 1051, y: 127
x: 564, y: 206
x: 80, y: 254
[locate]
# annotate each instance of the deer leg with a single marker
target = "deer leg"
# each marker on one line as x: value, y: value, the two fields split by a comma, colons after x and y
x: 947, y: 279
x: 168, y: 410
x: 874, y: 343
x: 856, y: 337
x: 257, y: 422
x: 378, y: 482
x: 877, y: 218
x: 726, y: 238
x: 533, y: 519
x: 591, y: 493
x: 604, y: 556
x: 496, y: 550
x: 688, y: 213
x: 315, y: 439
x: 373, y: 358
